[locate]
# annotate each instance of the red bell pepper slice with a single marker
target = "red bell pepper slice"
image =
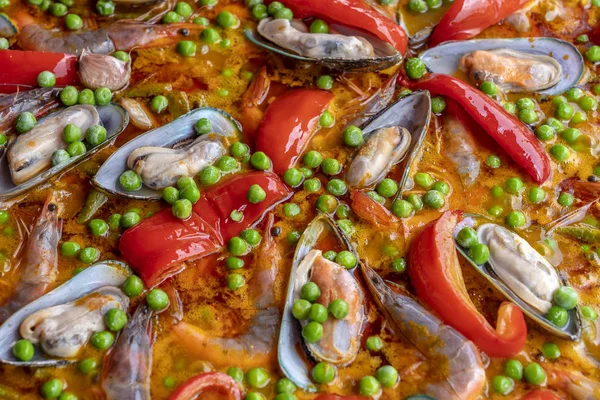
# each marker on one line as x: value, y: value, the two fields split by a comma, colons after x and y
x: 353, y: 13
x: 510, y: 133
x: 467, y: 18
x: 19, y: 69
x: 436, y: 276
x: 156, y: 247
x: 209, y: 382
x: 370, y: 210
x: 541, y: 394
x: 288, y: 125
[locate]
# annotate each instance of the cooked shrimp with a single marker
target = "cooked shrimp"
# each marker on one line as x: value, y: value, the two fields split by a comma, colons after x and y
x: 577, y: 386
x: 36, y: 101
x: 256, y: 346
x: 127, y: 368
x: 40, y: 260
x: 251, y: 114
x: 456, y: 357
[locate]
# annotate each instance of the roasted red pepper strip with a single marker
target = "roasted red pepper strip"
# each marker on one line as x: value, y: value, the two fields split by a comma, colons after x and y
x: 156, y: 247
x: 541, y: 394
x: 370, y: 210
x: 288, y: 125
x: 510, y: 133
x: 209, y: 382
x: 467, y: 18
x: 20, y: 69
x: 436, y: 276
x: 352, y: 13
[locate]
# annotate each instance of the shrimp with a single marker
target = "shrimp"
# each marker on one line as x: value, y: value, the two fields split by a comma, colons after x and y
x: 40, y: 260
x: 251, y: 114
x: 121, y: 35
x: 577, y: 386
x: 460, y: 146
x: 128, y: 366
x: 255, y: 347
x: 36, y: 101
x: 456, y: 357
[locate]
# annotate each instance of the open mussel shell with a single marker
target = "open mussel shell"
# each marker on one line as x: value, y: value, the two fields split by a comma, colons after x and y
x: 179, y: 130
x: 571, y: 331
x: 113, y: 117
x: 445, y: 58
x: 7, y: 27
x: 101, y: 274
x: 386, y: 55
x: 292, y: 352
x: 412, y: 113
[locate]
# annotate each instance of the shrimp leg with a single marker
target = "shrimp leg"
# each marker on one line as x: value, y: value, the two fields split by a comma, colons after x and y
x: 40, y: 260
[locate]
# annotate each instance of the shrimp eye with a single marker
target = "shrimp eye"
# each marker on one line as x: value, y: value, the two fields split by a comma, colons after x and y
x: 275, y: 231
x: 184, y: 32
x: 51, y: 207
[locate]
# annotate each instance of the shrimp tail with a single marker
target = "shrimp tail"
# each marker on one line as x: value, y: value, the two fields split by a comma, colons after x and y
x: 251, y: 113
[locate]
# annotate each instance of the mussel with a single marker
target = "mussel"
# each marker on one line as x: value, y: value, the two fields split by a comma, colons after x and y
x: 62, y: 320
x: 7, y: 27
x: 344, y: 49
x: 27, y: 161
x: 521, y: 274
x: 393, y: 136
x: 341, y: 337
x: 545, y: 65
x: 166, y: 153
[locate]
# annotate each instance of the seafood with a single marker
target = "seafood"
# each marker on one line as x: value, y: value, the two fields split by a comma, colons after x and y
x: 544, y: 65
x: 40, y: 260
x: 99, y: 70
x: 460, y: 145
x: 160, y: 167
x: 31, y: 153
x: 104, y: 275
x: 127, y: 368
x: 139, y: 115
x: 159, y: 147
x: 36, y: 101
x: 61, y: 331
x: 254, y: 347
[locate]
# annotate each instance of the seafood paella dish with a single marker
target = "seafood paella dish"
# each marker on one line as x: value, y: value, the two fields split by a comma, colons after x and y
x: 299, y: 199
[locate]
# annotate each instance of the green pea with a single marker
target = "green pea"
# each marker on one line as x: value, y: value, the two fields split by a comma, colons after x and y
x: 544, y: 132
x: 537, y: 195
x: 293, y: 237
x: 182, y: 208
x: 52, y: 388
x: 416, y: 201
x: 493, y: 161
x: 284, y: 13
x: 510, y: 108
x: 525, y: 103
x: 369, y: 386
x: 528, y: 116
x: 312, y: 185
x: 86, y: 96
x: 130, y: 219
x: 210, y: 36
x: 98, y: 227
x: 159, y: 104
x: 87, y: 366
x: 235, y: 281
x: 326, y: 120
x: 324, y: 82
x: 467, y: 237
x: 578, y: 118
x: 257, y: 378
x: 415, y: 68
x: 438, y: 105
x: 239, y: 149
x: 259, y: 11
x: 570, y: 135
x: 73, y: 22
x: 71, y: 133
x: 25, y: 122
x: 89, y: 255
x: 319, y: 26
x: 326, y: 203
x: 105, y: 8
x: 4, y: 3
x: 171, y: 17
x: 434, y: 199
x: 346, y: 259
x: 339, y: 308
x: 251, y: 236
x: 417, y: 6
x: 209, y: 3
x: 76, y: 149
x: 479, y: 253
x: 236, y: 373
x: 331, y: 166
x: 184, y: 182
x: 226, y: 19
x: 564, y: 111
x: 254, y: 396
x: 515, y: 219
x: 374, y: 343
x: 260, y: 160
x: 565, y: 297
x: 424, y: 180
x: 256, y: 194
x: 514, y: 369
x: 310, y: 292
x: 274, y: 7
x: 551, y: 351
x: 23, y: 350
x: 183, y: 9
x: 566, y: 199
x: 387, y: 376
x: 593, y: 54
x: 300, y: 309
x: 399, y: 265
x: 133, y: 286
x: 323, y: 373
x: 130, y: 181
x: 237, y: 246
x: 157, y: 299
x: 558, y: 316
x: 291, y: 210
x: 442, y: 187
x: 60, y: 157
x: 115, y: 319
x: 284, y: 385
x: 497, y: 191
x: 95, y: 135
x: 346, y: 226
x: 293, y: 177
x: 103, y: 96
x: 387, y: 187
x: 353, y: 136
x: 69, y: 95
x: 588, y: 313
x: 186, y: 48
x: 318, y: 313
x: 514, y: 185
x: 496, y: 211
x: 70, y: 249
x: 402, y: 208
x: 489, y: 88
x: 227, y: 164
x: 337, y: 187
x: 170, y: 195
x: 201, y: 21
x: 588, y: 103
x: 209, y: 175
x: 560, y: 153
x: 312, y: 159
x: 534, y: 374
x: 102, y: 340
x: 555, y: 124
x: 583, y: 38
x: 330, y: 255
x: 502, y: 384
